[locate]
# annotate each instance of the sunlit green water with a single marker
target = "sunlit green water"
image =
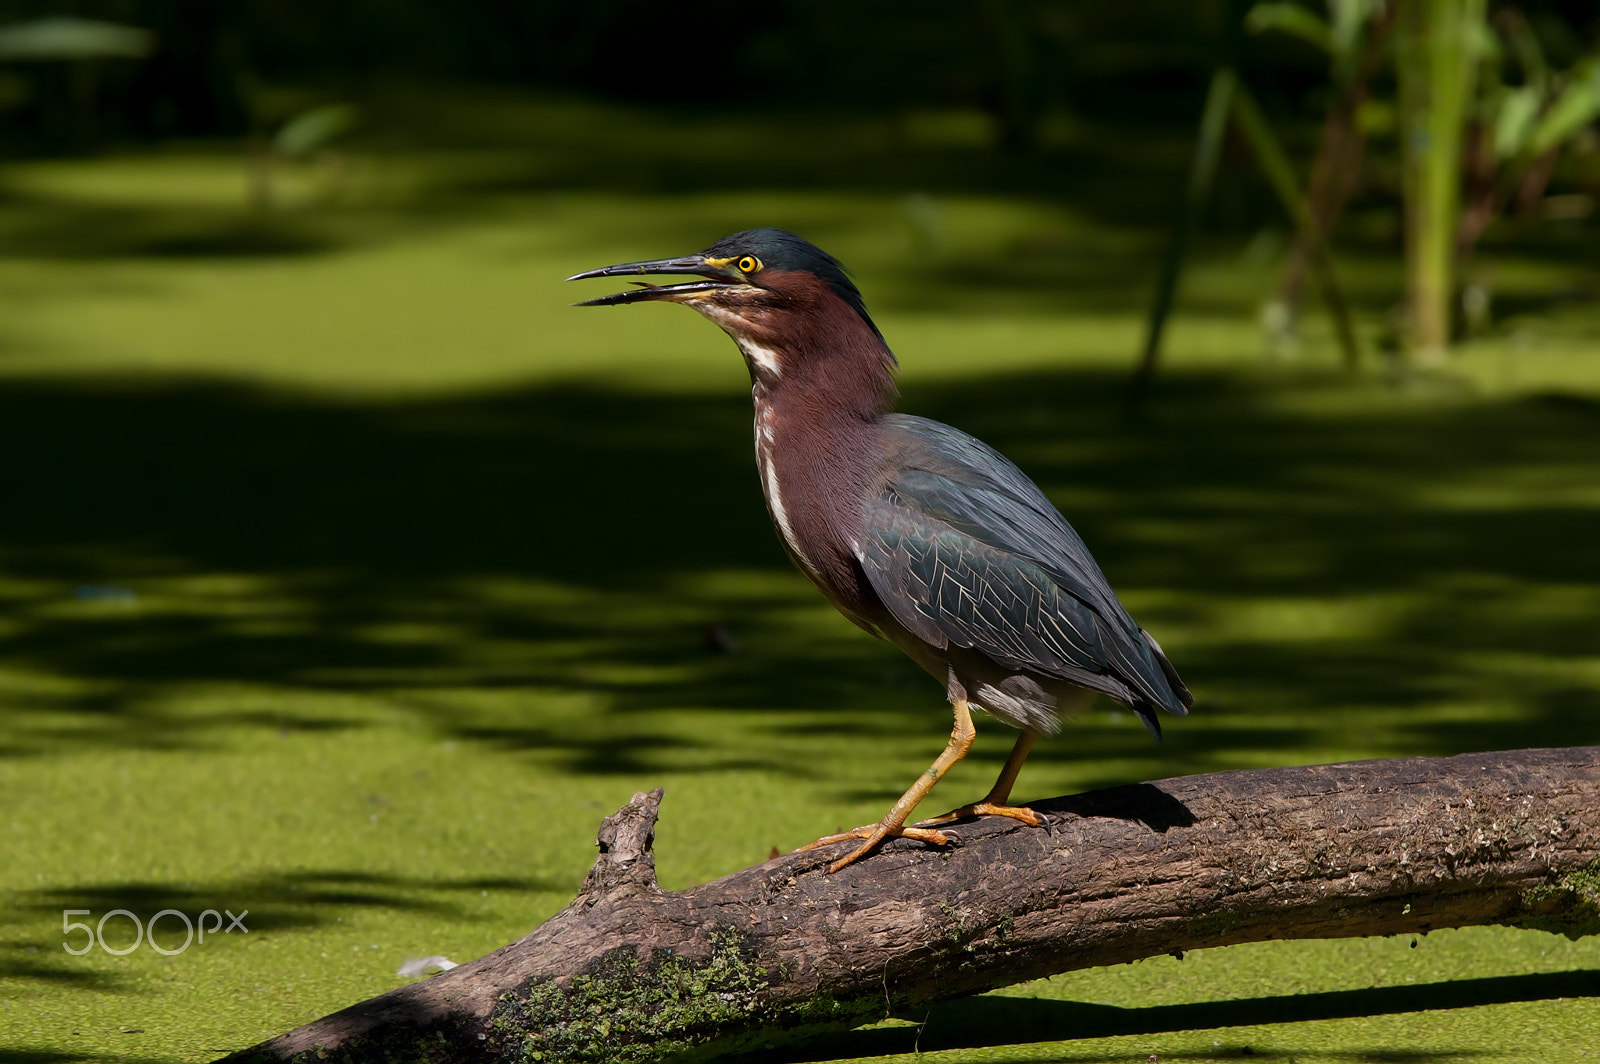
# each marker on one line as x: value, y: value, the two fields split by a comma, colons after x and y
x: 350, y: 577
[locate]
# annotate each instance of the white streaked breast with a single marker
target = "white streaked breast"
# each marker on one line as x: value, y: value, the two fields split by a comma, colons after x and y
x: 772, y: 489
x: 763, y: 358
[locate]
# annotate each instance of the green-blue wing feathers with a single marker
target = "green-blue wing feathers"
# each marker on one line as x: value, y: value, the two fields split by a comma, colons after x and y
x: 964, y: 549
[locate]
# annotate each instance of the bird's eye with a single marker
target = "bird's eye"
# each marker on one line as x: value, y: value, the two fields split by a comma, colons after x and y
x: 748, y: 264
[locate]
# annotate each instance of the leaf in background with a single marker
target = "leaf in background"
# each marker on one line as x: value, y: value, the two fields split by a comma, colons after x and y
x: 1292, y: 19
x: 1575, y: 108
x: 1513, y: 118
x: 1482, y: 42
x: 1275, y: 165
x: 73, y: 38
x: 1348, y: 21
x: 1525, y: 46
x: 313, y: 129
x: 1376, y: 118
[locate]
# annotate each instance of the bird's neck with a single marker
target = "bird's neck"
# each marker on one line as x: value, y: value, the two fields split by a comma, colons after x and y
x: 818, y: 451
x: 836, y: 368
x: 818, y: 402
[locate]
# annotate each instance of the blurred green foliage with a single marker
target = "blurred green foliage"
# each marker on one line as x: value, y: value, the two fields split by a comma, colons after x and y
x: 1018, y: 60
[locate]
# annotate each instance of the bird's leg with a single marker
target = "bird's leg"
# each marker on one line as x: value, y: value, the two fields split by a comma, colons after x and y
x: 994, y: 803
x: 893, y: 823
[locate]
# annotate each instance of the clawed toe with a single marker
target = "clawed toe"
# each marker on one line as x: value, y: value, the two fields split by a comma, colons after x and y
x: 874, y: 834
x: 866, y: 831
x: 977, y: 809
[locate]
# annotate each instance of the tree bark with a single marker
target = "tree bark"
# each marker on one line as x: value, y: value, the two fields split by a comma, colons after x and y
x: 782, y: 950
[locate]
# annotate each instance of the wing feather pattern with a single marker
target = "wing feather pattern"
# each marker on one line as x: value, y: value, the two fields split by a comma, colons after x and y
x: 964, y: 549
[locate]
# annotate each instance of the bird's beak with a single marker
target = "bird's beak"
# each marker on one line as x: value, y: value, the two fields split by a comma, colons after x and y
x: 722, y: 277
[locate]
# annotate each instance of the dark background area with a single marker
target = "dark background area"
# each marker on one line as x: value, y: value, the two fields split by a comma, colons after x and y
x: 1145, y: 60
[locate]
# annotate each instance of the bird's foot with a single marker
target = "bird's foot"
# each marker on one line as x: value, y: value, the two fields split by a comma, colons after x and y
x: 1015, y: 812
x: 875, y: 834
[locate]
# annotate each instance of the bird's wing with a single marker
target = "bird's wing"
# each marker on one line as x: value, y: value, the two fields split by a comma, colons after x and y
x: 963, y: 548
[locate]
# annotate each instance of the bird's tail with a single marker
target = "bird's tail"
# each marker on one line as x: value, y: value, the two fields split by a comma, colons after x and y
x: 1169, y: 692
x: 1180, y: 690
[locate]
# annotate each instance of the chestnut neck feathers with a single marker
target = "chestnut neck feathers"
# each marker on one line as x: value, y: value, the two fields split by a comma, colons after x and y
x: 821, y: 378
x: 807, y: 345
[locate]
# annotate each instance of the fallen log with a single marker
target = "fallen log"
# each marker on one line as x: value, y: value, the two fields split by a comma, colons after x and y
x: 781, y: 951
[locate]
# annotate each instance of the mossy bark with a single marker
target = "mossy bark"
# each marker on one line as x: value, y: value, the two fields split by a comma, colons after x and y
x: 629, y: 972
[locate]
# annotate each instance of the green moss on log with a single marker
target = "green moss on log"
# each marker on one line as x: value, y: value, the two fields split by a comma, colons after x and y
x: 666, y: 1008
x: 1570, y: 906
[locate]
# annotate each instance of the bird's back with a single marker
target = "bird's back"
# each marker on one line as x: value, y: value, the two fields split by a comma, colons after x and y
x: 970, y: 556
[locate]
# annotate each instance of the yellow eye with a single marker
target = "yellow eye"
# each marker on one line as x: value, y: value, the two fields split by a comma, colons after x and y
x: 748, y: 264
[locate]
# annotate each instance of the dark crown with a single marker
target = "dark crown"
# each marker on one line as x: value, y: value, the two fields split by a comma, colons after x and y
x: 779, y: 249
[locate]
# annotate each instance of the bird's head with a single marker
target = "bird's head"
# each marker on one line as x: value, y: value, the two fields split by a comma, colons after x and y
x: 785, y: 301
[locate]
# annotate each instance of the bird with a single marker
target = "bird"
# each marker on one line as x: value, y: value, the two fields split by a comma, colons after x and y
x: 917, y: 532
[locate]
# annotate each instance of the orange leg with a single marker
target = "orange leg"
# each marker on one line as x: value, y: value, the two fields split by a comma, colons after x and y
x: 994, y: 803
x: 893, y: 823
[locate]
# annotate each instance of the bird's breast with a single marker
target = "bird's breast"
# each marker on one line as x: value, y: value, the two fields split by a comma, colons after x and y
x: 772, y: 487
x: 813, y: 498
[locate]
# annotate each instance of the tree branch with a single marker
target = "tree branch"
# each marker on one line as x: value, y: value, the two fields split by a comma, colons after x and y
x: 780, y: 951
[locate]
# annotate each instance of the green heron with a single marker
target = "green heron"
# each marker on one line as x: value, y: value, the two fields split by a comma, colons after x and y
x: 915, y: 531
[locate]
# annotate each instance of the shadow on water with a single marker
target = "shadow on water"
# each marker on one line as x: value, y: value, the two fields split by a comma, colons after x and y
x: 51, y: 1056
x: 1094, y: 262
x: 995, y: 1020
x: 583, y: 539
x: 576, y: 543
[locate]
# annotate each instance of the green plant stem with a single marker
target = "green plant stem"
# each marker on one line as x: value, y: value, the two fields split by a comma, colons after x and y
x: 1435, y: 63
x: 1202, y: 173
x: 1275, y: 165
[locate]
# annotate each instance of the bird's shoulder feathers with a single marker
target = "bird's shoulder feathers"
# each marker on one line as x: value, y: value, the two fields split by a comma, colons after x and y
x: 963, y: 548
